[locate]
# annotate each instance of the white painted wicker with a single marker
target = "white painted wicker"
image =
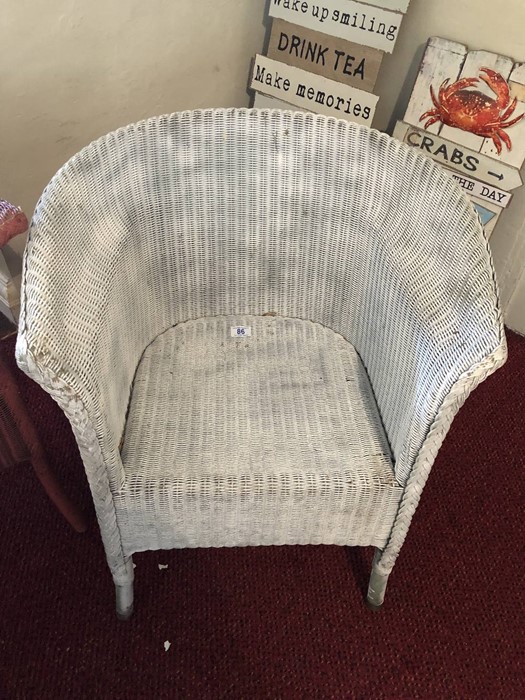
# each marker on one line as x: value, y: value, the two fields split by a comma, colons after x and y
x: 321, y: 426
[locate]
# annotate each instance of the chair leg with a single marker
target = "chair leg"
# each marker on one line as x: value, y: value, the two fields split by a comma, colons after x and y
x: 10, y: 393
x: 377, y: 585
x: 124, y: 593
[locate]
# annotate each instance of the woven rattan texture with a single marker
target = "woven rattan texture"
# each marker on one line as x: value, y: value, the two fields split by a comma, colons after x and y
x: 233, y: 212
x: 280, y: 622
x: 269, y: 439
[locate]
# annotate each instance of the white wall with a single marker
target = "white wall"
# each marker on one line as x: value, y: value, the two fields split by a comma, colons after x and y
x: 72, y: 71
x: 516, y: 306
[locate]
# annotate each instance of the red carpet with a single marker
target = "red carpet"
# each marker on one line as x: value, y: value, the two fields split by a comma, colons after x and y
x: 280, y: 622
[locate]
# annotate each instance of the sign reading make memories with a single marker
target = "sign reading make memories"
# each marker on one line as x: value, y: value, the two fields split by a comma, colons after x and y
x: 308, y: 90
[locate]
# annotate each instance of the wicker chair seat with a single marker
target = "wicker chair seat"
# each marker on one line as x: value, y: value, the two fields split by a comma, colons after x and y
x: 282, y: 423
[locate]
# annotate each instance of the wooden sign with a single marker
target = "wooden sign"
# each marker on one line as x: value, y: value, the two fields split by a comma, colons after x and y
x: 396, y: 5
x: 475, y: 188
x: 459, y: 158
x: 345, y: 19
x: 467, y: 111
x: 328, y: 56
x: 261, y: 101
x: 441, y: 59
x: 516, y: 156
x: 488, y: 215
x: 517, y: 82
x: 311, y: 92
x: 467, y: 97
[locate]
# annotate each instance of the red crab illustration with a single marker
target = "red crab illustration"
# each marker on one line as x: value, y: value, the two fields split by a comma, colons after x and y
x: 471, y: 110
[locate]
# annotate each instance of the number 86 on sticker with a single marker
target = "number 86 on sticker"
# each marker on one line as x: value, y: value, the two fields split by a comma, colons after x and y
x: 241, y: 331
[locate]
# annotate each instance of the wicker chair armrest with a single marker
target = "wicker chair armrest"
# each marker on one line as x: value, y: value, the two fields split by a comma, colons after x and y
x: 89, y: 362
x: 424, y: 333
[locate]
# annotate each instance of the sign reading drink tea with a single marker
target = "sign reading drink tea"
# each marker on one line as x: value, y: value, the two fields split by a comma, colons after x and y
x: 354, y: 64
x: 325, y: 56
x: 467, y: 111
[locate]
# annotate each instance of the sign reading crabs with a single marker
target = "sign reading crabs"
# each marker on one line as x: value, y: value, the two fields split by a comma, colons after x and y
x: 472, y: 110
x: 459, y: 158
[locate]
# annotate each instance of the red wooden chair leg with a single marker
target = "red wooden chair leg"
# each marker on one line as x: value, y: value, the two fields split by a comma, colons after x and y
x: 10, y: 394
x: 55, y: 491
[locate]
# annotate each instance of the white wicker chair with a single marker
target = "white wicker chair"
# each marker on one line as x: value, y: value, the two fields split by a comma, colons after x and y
x: 364, y: 276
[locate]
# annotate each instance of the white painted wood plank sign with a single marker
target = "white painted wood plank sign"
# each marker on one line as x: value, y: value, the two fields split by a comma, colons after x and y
x: 328, y: 56
x: 475, y: 66
x: 261, y: 101
x: 488, y: 215
x: 459, y: 158
x: 396, y: 5
x: 517, y: 82
x: 473, y: 98
x: 312, y: 92
x: 345, y: 19
x: 442, y: 58
x: 475, y: 188
x: 517, y: 132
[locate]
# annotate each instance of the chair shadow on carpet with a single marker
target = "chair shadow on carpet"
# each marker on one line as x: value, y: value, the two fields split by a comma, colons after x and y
x: 360, y: 563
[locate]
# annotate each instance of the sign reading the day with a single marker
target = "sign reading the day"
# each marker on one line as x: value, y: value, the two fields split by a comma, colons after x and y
x: 330, y: 57
x: 345, y: 19
x: 459, y: 158
x: 312, y: 92
x: 480, y: 189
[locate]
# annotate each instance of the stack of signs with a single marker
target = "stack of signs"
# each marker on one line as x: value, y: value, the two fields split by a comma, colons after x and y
x: 325, y: 56
x: 466, y: 112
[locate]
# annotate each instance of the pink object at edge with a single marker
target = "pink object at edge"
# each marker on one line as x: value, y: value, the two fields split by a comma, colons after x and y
x: 12, y: 222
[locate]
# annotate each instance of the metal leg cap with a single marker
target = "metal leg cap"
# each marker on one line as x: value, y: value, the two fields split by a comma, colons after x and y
x: 125, y: 614
x: 371, y: 606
